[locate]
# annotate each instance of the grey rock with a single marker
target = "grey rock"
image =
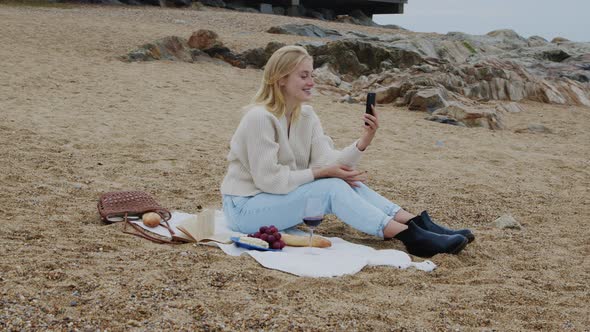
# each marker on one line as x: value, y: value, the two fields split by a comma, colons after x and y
x: 558, y: 40
x: 428, y: 100
x: 580, y: 60
x: 386, y: 65
x: 255, y: 57
x: 358, y: 34
x: 470, y: 116
x: 534, y: 128
x: 345, y: 86
x: 388, y: 94
x: 272, y: 47
x: 500, y: 65
x: 259, y: 56
x: 536, y: 41
x: 325, y: 75
x: 355, y: 57
x: 225, y: 54
x: 445, y: 120
x: 393, y: 27
x: 505, y: 34
x: 169, y: 48
x: 346, y: 99
x: 200, y: 56
x: 425, y: 68
x: 307, y: 30
x: 506, y: 221
x: 509, y: 107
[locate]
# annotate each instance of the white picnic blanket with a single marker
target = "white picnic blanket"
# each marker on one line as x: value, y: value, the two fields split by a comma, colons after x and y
x: 341, y: 258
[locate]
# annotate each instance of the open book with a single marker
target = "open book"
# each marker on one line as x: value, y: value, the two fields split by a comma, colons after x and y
x: 189, y: 228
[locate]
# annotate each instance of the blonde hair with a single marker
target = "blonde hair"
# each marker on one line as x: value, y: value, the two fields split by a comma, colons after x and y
x: 282, y: 63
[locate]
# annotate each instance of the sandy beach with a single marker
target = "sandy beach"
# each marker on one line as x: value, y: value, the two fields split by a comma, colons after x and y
x: 76, y: 122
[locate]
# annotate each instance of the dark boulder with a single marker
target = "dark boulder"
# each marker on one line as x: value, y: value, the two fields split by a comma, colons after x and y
x: 357, y: 58
x: 257, y: 57
x: 169, y: 48
x: 225, y: 54
x: 555, y: 55
x: 203, y: 39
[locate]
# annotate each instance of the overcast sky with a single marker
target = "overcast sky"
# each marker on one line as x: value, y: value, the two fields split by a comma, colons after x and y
x: 548, y: 19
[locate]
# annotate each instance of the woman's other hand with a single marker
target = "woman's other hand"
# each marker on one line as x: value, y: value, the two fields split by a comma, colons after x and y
x: 351, y: 176
x: 369, y: 130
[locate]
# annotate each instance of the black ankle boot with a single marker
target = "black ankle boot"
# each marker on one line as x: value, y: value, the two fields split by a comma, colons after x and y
x: 424, y: 222
x: 422, y: 243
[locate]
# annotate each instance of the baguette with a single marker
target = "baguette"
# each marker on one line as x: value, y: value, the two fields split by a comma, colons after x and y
x: 303, y: 241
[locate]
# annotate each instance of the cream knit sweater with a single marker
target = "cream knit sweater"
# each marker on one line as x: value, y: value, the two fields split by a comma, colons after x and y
x: 264, y: 158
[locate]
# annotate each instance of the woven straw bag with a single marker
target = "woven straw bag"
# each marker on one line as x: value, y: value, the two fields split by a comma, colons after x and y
x: 124, y: 205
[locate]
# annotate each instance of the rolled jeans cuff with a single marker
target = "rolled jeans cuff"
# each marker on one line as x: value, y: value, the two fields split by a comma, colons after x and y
x: 382, y: 225
x: 394, y: 210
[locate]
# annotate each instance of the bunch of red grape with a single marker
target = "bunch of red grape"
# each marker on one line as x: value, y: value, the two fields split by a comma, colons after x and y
x: 271, y: 235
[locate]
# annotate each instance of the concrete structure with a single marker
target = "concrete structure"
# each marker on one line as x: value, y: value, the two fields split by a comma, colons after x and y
x: 369, y: 7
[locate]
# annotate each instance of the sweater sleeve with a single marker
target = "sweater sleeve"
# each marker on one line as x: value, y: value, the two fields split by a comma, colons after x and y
x: 262, y: 153
x: 323, y: 152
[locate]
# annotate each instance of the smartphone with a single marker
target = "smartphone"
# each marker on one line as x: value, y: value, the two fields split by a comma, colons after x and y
x: 370, y: 102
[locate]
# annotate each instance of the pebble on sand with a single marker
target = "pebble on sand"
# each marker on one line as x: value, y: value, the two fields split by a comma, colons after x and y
x: 506, y: 221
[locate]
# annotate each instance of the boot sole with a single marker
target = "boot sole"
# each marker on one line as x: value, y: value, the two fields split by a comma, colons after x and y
x: 460, y: 247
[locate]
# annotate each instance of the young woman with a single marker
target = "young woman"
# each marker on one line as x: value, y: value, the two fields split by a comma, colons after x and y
x: 279, y: 156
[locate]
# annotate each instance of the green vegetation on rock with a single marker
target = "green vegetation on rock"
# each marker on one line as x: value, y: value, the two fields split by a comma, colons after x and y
x: 469, y: 47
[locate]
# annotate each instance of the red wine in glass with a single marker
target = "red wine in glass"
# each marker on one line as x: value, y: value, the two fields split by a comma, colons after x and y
x: 313, y: 215
x: 313, y: 221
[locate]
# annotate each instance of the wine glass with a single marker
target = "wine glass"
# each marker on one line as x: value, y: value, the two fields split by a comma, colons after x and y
x: 313, y: 215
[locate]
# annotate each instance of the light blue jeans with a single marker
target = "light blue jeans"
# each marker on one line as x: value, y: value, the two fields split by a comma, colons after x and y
x: 360, y: 207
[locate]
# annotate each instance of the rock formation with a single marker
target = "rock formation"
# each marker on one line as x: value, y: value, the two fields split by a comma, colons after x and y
x: 450, y: 77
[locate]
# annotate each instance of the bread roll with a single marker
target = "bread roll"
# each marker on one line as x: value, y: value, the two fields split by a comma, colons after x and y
x: 151, y: 219
x: 303, y: 241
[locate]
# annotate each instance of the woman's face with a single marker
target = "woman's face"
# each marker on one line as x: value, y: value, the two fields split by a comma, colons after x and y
x: 296, y: 87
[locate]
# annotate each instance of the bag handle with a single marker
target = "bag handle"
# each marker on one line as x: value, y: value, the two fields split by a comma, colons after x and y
x: 142, y: 233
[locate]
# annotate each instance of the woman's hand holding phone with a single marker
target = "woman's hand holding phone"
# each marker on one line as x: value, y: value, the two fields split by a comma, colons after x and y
x: 371, y: 123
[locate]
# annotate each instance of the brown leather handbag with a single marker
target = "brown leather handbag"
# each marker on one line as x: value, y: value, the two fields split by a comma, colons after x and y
x: 131, y: 205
